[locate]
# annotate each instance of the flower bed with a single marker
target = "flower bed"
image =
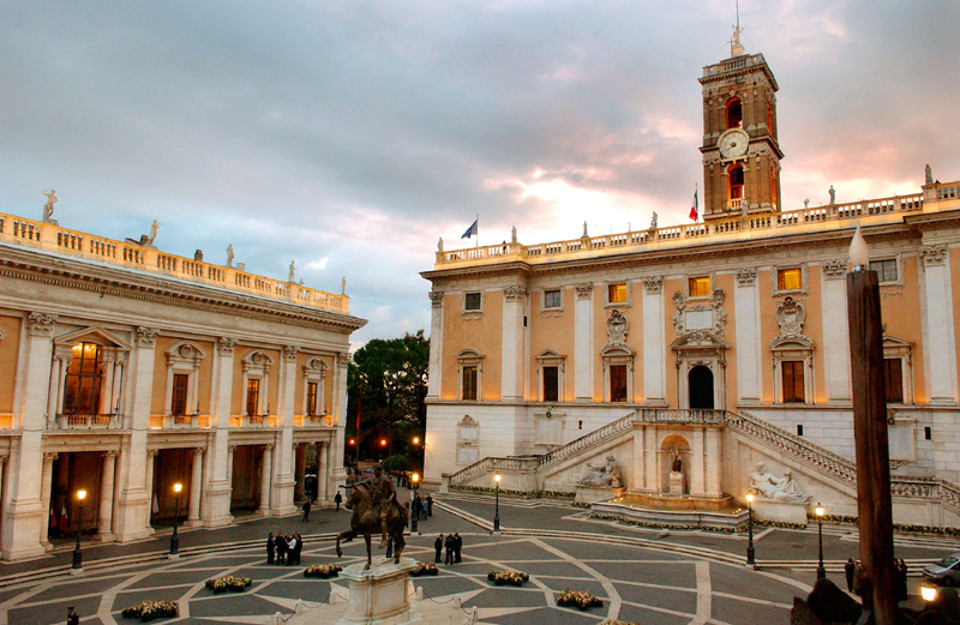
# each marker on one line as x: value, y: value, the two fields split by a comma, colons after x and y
x: 149, y: 610
x: 510, y: 578
x: 228, y: 582
x: 425, y: 568
x: 578, y: 599
x: 323, y: 571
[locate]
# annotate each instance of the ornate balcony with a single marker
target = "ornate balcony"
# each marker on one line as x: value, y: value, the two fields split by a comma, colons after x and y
x: 88, y: 422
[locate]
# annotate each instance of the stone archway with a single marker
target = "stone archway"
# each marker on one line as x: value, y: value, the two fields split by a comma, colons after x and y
x: 670, y: 447
x: 700, y: 387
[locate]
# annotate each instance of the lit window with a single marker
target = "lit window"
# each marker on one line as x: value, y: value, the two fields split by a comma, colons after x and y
x: 792, y: 372
x: 618, y: 383
x: 886, y: 269
x: 734, y: 113
x: 735, y: 174
x: 84, y: 380
x: 551, y: 298
x: 789, y: 279
x: 617, y: 293
x: 253, y: 396
x: 551, y: 383
x: 699, y: 286
x: 312, y: 399
x: 181, y: 386
x: 471, y: 301
x: 470, y: 382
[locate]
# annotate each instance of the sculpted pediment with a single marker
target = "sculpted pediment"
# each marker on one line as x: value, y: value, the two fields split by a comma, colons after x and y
x: 93, y: 334
x: 699, y: 339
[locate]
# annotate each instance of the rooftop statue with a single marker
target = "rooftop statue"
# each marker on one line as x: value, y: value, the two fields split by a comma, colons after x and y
x: 153, y: 232
x: 293, y: 267
x: 230, y: 255
x: 653, y: 221
x: 602, y: 475
x: 513, y: 234
x: 51, y: 196
x: 833, y: 195
x: 928, y: 174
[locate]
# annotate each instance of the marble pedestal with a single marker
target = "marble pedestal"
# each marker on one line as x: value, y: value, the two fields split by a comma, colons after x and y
x: 676, y: 483
x: 592, y: 494
x: 781, y: 511
x: 380, y: 595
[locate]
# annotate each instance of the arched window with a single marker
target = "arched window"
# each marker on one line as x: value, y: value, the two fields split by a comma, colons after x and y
x: 84, y: 380
x: 770, y: 128
x: 735, y: 175
x: 734, y: 113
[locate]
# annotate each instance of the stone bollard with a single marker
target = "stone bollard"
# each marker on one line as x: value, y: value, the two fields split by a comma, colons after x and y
x: 419, y: 593
x: 277, y: 619
x: 299, y: 608
x: 457, y: 602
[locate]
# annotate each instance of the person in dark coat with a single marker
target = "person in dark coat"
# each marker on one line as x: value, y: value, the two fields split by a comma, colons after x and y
x: 448, y: 545
x: 281, y: 548
x: 338, y: 499
x: 438, y: 547
x: 416, y: 506
x: 901, y: 580
x: 850, y: 570
x: 72, y: 617
x: 389, y: 546
x: 271, y: 549
x: 306, y: 510
x: 457, y: 546
x: 429, y: 505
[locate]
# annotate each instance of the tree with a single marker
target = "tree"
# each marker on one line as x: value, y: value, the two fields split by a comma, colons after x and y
x: 387, y: 384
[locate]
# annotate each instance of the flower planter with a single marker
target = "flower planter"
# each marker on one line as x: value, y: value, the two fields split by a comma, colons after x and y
x: 228, y: 582
x: 323, y: 571
x: 508, y: 578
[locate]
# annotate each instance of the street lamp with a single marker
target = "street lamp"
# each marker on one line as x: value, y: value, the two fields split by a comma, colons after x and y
x: 821, y: 572
x: 496, y: 509
x: 750, y: 550
x: 175, y: 538
x: 77, y: 555
x: 415, y: 513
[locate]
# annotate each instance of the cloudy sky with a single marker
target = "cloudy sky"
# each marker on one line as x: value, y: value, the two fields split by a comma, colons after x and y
x: 351, y: 134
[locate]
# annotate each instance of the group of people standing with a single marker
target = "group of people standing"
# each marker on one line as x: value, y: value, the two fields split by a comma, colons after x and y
x: 284, y: 548
x: 453, y: 545
x: 422, y: 507
x: 853, y: 569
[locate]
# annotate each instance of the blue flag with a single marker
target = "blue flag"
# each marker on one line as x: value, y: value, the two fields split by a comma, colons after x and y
x: 472, y: 230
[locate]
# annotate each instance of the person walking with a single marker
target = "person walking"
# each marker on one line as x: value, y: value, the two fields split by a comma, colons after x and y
x: 72, y: 617
x: 271, y: 549
x: 429, y: 505
x: 415, y: 507
x: 457, y: 546
x: 281, y: 542
x: 306, y: 511
x: 438, y: 548
x: 423, y: 512
x: 338, y: 499
x: 448, y: 545
x: 850, y: 570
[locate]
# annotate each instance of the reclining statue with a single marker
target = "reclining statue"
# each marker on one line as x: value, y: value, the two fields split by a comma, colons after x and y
x: 602, y: 475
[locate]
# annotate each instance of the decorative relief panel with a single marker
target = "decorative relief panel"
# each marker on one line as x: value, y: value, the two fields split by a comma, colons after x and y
x: 933, y: 254
x: 701, y: 318
x: 146, y: 337
x: 834, y: 269
x: 747, y: 276
x: 790, y: 316
x: 616, y: 328
x: 42, y: 324
x: 514, y: 292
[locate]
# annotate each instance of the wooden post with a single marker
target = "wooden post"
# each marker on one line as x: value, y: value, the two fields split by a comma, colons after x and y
x: 878, y: 585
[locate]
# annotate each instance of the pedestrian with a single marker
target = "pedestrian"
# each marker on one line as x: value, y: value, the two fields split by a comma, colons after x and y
x: 901, y: 579
x: 448, y: 545
x: 457, y: 546
x: 292, y: 549
x: 438, y: 548
x: 858, y: 574
x: 306, y: 511
x: 429, y: 505
x: 850, y: 570
x: 390, y: 546
x: 423, y: 512
x: 72, y: 617
x: 297, y: 548
x: 281, y: 542
x: 338, y: 499
x: 271, y: 549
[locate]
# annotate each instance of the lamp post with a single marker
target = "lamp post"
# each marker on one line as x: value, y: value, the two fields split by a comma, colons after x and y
x: 77, y: 567
x: 415, y: 512
x: 821, y: 572
x: 496, y: 509
x: 175, y: 538
x: 750, y: 550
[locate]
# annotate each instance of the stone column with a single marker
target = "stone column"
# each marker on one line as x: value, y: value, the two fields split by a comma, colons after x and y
x: 338, y: 474
x: 836, y: 344
x: 435, y: 367
x: 196, y: 486
x: 652, y: 471
x: 698, y: 475
x: 583, y: 343
x: 323, y: 470
x: 231, y: 449
x: 56, y: 381
x: 105, y: 528
x: 148, y: 483
x: 940, y: 354
x: 265, y: 480
x: 281, y: 497
x: 216, y: 508
x: 654, y: 348
x: 748, y: 362
x: 46, y: 482
x: 512, y: 341
x: 714, y: 449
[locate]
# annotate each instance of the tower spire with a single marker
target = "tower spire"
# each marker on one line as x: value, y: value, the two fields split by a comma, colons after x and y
x: 736, y: 48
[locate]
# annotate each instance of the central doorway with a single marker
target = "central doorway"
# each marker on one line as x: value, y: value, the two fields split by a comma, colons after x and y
x: 700, y: 384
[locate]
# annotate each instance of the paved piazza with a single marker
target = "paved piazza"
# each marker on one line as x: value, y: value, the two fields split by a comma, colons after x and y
x: 687, y: 578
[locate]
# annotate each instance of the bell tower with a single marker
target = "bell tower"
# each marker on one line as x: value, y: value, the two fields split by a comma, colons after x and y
x: 741, y: 154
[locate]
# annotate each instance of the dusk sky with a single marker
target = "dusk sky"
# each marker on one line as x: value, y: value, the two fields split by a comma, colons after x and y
x: 350, y: 135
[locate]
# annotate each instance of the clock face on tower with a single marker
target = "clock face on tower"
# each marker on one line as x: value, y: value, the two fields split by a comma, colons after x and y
x: 733, y: 143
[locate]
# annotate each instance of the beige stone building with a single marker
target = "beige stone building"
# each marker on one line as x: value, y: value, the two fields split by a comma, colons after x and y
x: 723, y: 341
x: 124, y: 370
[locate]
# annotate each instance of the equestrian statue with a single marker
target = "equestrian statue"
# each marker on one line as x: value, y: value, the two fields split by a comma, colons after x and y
x: 375, y: 508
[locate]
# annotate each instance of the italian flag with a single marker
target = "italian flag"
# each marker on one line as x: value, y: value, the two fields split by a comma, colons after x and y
x: 694, y: 210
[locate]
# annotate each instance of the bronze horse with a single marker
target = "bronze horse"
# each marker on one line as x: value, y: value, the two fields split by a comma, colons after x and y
x: 366, y: 521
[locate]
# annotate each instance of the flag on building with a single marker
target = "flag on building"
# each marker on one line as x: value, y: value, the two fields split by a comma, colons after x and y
x: 695, y: 209
x: 472, y: 230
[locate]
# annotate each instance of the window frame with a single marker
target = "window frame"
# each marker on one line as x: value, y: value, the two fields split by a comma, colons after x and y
x: 183, y: 358
x: 545, y: 359
x: 256, y: 366
x: 616, y: 355
x: 543, y: 302
x: 314, y: 371
x: 792, y: 349
x: 469, y: 359
x: 480, y: 300
x: 782, y: 273
x: 898, y: 349
x: 896, y: 262
x: 688, y: 283
x: 97, y: 384
x: 775, y: 279
x: 616, y: 283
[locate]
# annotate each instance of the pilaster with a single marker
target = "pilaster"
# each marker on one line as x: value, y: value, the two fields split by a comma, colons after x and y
x: 583, y: 343
x: 654, y: 347
x: 511, y: 373
x: 940, y: 358
x: 746, y: 301
x: 436, y: 345
x: 836, y: 343
x: 216, y: 493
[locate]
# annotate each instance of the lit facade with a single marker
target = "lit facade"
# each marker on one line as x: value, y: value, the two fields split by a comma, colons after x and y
x: 124, y: 370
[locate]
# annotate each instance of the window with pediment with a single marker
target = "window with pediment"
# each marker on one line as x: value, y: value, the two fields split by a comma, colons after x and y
x: 470, y: 378
x: 792, y: 356
x: 898, y: 370
x: 87, y: 373
x: 314, y: 373
x: 256, y: 382
x: 183, y: 378
x: 550, y: 373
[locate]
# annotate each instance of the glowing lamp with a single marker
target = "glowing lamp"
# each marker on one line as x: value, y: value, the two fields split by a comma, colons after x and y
x: 928, y: 593
x: 81, y: 494
x: 859, y: 254
x: 177, y: 487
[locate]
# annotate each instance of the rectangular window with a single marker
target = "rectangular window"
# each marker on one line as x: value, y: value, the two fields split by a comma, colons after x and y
x: 551, y: 383
x: 253, y: 396
x: 470, y: 382
x: 312, y: 399
x: 886, y: 269
x: 471, y: 301
x: 699, y: 287
x: 893, y: 372
x: 551, y: 298
x: 178, y: 404
x: 789, y: 279
x: 617, y: 293
x: 618, y: 382
x: 792, y: 371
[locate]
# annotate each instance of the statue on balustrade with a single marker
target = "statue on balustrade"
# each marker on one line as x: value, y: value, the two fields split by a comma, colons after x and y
x: 51, y: 196
x: 440, y: 244
x: 602, y: 475
x: 768, y: 486
x: 293, y: 267
x: 230, y: 255
x: 928, y: 174
x: 653, y: 221
x: 513, y: 234
x: 833, y: 195
x: 153, y: 232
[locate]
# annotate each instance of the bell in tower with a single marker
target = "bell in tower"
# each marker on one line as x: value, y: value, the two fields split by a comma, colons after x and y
x: 741, y: 154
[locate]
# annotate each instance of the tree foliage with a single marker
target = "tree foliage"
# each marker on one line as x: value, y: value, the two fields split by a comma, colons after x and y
x: 387, y: 382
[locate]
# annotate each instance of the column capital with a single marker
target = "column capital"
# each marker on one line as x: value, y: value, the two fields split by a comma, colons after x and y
x: 834, y: 269
x: 49, y: 456
x: 436, y: 298
x: 42, y: 324
x: 109, y: 454
x: 343, y: 359
x: 584, y: 290
x: 514, y: 292
x: 3, y: 460
x: 153, y: 453
x: 747, y: 276
x: 933, y: 254
x: 198, y: 451
x: 146, y: 336
x: 653, y: 284
x: 227, y: 343
x: 290, y: 352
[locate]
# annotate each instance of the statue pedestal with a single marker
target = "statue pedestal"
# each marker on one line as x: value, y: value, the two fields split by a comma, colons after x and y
x: 781, y: 511
x: 676, y: 483
x: 380, y: 595
x: 591, y: 494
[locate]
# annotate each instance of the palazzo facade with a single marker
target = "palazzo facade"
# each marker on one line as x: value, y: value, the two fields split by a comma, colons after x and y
x: 125, y: 370
x: 538, y: 350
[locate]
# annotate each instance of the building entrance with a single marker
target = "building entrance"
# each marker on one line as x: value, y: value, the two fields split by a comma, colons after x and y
x: 700, y: 381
